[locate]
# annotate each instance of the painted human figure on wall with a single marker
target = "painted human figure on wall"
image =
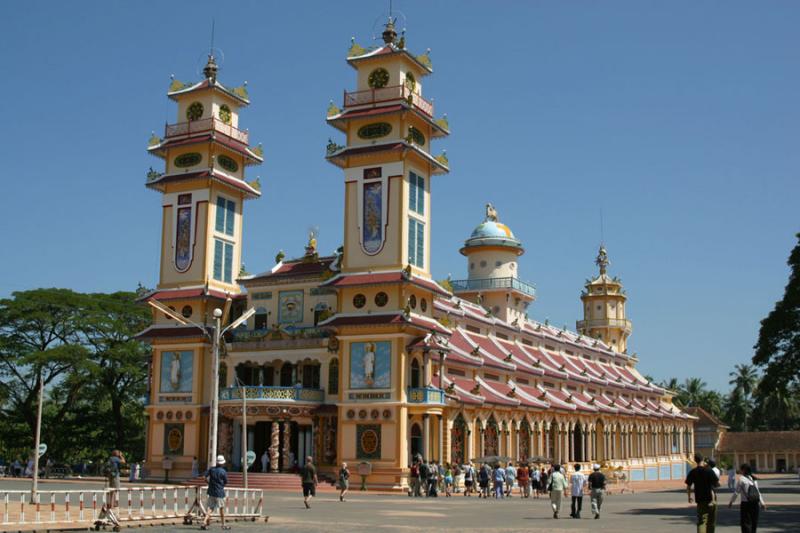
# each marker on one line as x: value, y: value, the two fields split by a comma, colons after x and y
x: 369, y: 364
x: 175, y: 371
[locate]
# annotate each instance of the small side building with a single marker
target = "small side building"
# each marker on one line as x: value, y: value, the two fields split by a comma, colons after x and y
x: 765, y: 451
x: 708, y: 431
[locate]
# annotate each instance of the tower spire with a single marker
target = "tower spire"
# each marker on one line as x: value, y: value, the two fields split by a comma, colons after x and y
x: 211, y: 68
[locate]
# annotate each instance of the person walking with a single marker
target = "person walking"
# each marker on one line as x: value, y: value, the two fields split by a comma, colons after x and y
x: 597, y: 490
x: 448, y: 480
x: 523, y: 480
x: 112, y: 471
x: 469, y: 479
x: 499, y: 476
x: 536, y: 479
x: 545, y: 482
x: 432, y: 477
x: 217, y: 478
x: 747, y: 488
x: 511, y: 476
x: 483, y: 477
x: 558, y: 484
x: 704, y: 481
x: 576, y: 487
x: 309, y: 481
x: 343, y: 481
x: 731, y: 477
x: 414, y: 476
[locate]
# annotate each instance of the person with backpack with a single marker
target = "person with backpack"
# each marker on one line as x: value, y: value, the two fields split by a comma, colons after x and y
x: 597, y: 489
x: 469, y: 478
x: 747, y: 488
x: 483, y: 479
x: 704, y: 481
x: 433, y: 479
x: 217, y: 478
x: 414, y: 490
x: 536, y: 480
x: 111, y: 471
x: 343, y: 481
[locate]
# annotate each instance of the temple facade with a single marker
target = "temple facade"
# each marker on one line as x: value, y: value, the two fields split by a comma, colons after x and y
x: 362, y: 356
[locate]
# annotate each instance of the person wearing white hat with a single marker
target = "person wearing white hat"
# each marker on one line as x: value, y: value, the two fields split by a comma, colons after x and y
x: 217, y: 478
x: 597, y: 488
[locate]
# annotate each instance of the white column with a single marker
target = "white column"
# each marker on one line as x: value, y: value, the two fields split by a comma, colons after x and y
x: 470, y: 439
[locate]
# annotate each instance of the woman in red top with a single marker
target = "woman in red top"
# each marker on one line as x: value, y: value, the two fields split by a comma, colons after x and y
x: 523, y: 480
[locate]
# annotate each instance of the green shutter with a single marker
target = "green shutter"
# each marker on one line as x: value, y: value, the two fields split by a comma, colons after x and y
x: 420, y: 195
x: 228, y: 262
x: 412, y: 191
x: 220, y: 222
x: 218, y: 260
x: 412, y: 234
x: 420, y: 245
x: 229, y: 212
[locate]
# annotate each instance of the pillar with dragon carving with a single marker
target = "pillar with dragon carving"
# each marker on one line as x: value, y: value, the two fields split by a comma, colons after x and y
x: 273, y: 448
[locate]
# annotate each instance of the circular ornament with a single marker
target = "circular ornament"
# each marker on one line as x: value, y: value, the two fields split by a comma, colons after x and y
x: 351, y: 413
x: 189, y: 159
x: 362, y: 413
x: 375, y: 131
x: 169, y: 415
x: 194, y: 111
x: 179, y: 416
x: 186, y: 311
x: 378, y: 78
x: 369, y: 441
x: 359, y: 301
x: 224, y: 114
x: 227, y: 163
x: 375, y: 414
x: 188, y: 415
x: 387, y: 414
x: 381, y: 299
x: 160, y: 415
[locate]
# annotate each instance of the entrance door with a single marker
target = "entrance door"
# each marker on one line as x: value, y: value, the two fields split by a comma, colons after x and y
x: 780, y: 465
x: 301, y: 444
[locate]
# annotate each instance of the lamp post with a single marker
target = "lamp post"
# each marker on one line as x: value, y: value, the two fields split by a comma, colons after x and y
x: 215, y: 340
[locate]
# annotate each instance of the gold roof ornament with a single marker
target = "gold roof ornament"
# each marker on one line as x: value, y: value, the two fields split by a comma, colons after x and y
x: 389, y: 33
x: 211, y: 68
x: 491, y: 213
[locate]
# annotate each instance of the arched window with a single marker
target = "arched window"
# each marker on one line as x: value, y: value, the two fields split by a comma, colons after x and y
x: 333, y: 376
x: 311, y: 376
x: 415, y: 374
x: 416, y: 440
x: 287, y: 375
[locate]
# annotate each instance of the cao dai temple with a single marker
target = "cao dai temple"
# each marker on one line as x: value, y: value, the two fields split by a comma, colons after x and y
x: 363, y: 356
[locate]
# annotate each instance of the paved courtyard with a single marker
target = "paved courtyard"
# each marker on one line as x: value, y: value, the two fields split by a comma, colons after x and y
x: 655, y: 511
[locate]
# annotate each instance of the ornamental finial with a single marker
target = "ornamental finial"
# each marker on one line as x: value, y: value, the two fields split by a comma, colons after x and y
x: 211, y: 68
x: 491, y: 213
x: 602, y: 260
x: 389, y: 34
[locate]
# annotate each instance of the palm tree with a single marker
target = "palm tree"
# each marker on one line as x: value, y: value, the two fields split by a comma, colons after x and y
x: 693, y: 391
x: 744, y: 379
x: 671, y: 384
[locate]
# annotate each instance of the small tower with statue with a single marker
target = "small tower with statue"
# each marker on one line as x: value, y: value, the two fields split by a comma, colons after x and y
x: 385, y: 290
x: 203, y: 188
x: 604, y: 301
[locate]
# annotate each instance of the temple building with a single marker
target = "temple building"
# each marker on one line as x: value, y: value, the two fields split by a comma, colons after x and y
x: 362, y: 356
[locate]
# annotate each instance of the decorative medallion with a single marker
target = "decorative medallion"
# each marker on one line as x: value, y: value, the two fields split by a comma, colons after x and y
x: 359, y: 301
x: 178, y: 415
x: 362, y: 413
x: 272, y: 410
x: 173, y: 439
x: 169, y: 415
x: 160, y: 415
x: 225, y: 114
x: 189, y: 159
x: 368, y: 439
x: 351, y: 413
x: 378, y: 78
x: 375, y: 131
x: 186, y: 311
x: 381, y: 299
x: 188, y: 415
x: 194, y: 111
x: 374, y: 414
x: 227, y: 163
x: 387, y: 414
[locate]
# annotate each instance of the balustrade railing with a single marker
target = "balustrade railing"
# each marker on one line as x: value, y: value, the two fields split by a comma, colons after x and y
x: 493, y: 283
x: 207, y: 124
x: 425, y: 395
x: 387, y: 94
x: 614, y: 322
x: 273, y: 393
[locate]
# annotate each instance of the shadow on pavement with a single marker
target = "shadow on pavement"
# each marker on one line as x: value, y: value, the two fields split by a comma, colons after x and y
x: 776, y: 516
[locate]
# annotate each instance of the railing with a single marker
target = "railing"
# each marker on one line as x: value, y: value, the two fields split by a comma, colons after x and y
x: 272, y: 339
x: 207, y: 124
x: 493, y: 283
x: 107, y: 507
x: 600, y: 322
x: 270, y: 393
x: 387, y: 94
x: 425, y: 395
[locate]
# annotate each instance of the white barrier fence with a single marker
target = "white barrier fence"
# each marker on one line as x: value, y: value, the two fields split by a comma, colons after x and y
x: 112, y: 507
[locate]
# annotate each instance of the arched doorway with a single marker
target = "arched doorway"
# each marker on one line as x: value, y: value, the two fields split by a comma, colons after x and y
x: 524, y: 436
x: 416, y: 440
x: 287, y: 375
x: 577, y: 443
x: 458, y: 441
x: 490, y: 437
x: 599, y: 441
x: 553, y: 448
x: 416, y: 375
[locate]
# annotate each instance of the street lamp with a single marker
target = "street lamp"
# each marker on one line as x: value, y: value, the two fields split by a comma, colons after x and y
x: 214, y: 338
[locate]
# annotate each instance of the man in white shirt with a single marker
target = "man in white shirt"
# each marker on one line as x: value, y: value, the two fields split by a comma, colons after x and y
x: 558, y: 484
x: 576, y: 486
x: 511, y: 475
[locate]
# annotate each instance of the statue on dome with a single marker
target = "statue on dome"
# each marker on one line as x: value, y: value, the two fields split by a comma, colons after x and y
x: 602, y: 260
x: 491, y: 213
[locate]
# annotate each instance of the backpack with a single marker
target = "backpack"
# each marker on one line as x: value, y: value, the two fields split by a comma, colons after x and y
x: 752, y: 491
x: 108, y: 470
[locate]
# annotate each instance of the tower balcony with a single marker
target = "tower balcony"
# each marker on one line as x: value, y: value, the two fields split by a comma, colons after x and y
x: 597, y: 323
x: 392, y: 93
x: 267, y: 394
x: 425, y: 395
x: 198, y: 127
x: 464, y: 285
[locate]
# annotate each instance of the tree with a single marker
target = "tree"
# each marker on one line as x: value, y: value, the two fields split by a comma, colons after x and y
x: 692, y: 391
x: 778, y: 346
x: 744, y: 379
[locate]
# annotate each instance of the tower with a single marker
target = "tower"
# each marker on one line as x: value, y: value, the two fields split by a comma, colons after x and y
x: 604, y: 308
x: 203, y: 189
x: 492, y: 252
x: 385, y: 289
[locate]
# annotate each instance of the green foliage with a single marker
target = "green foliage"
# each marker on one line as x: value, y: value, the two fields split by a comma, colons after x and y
x: 94, y: 373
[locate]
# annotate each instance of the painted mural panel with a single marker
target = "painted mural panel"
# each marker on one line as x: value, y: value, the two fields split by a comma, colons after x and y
x: 183, y: 239
x: 372, y: 227
x: 370, y: 365
x: 290, y: 307
x: 368, y: 440
x: 176, y: 371
x: 173, y: 439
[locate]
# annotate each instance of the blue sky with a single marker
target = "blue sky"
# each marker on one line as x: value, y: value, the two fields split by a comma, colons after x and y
x: 678, y: 119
